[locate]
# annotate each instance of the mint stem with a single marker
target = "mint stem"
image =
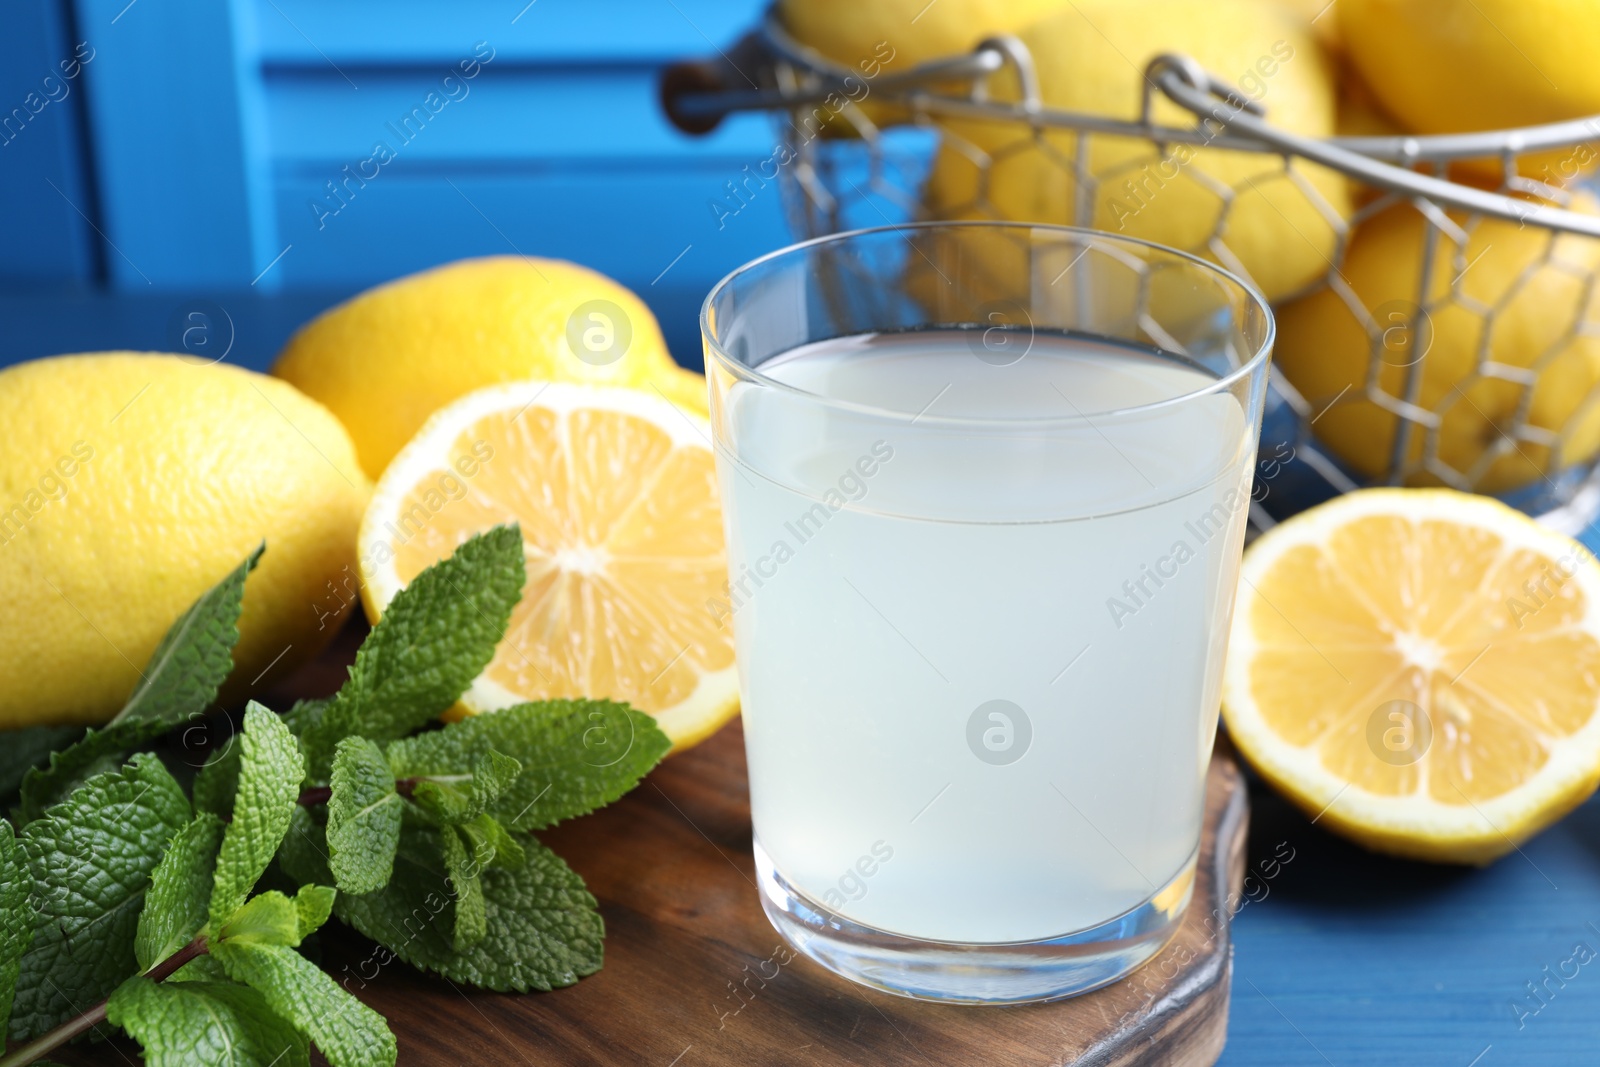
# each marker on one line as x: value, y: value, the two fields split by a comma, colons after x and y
x: 320, y: 794
x: 82, y: 1024
x: 47, y: 1043
x: 167, y: 967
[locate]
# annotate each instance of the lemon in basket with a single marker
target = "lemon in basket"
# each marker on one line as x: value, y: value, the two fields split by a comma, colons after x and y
x: 889, y: 37
x: 387, y: 359
x: 1504, y: 350
x: 615, y: 490
x: 1244, y: 210
x: 1419, y: 669
x: 1323, y: 20
x: 1442, y: 66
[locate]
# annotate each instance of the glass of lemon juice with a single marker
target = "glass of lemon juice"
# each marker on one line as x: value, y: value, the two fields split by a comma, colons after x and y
x: 985, y: 488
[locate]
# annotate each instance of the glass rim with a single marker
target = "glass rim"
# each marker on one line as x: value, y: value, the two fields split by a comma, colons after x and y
x: 1245, y: 369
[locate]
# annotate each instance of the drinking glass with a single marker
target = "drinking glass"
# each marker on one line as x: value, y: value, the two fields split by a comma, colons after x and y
x: 985, y: 488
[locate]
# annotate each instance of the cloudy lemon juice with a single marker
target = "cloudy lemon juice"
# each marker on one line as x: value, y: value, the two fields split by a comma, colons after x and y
x: 979, y: 603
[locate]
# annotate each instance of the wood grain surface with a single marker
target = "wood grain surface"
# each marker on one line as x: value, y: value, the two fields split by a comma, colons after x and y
x: 687, y: 946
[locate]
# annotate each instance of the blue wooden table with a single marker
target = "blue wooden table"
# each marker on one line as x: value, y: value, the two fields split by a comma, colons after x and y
x: 1343, y: 957
x: 1351, y: 958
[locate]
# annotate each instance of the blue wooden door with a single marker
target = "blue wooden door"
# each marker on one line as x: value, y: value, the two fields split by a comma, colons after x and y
x: 272, y: 145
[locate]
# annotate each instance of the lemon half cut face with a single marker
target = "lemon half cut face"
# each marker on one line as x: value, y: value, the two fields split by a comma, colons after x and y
x: 615, y: 492
x: 1419, y: 669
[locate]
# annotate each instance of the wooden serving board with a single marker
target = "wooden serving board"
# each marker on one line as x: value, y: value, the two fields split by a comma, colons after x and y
x: 687, y: 945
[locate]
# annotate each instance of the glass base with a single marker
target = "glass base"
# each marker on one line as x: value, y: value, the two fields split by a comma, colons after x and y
x: 954, y: 972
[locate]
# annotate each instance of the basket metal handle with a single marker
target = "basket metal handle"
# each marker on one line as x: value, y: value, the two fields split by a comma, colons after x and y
x: 696, y: 96
x: 1176, y: 76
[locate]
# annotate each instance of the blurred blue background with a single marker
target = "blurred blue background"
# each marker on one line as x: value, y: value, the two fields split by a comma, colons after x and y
x: 271, y: 157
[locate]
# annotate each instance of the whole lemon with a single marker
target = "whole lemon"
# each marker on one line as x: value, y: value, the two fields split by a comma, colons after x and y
x: 849, y: 31
x: 1360, y: 113
x: 1319, y: 14
x: 1442, y: 66
x: 1241, y: 209
x: 1497, y: 335
x: 893, y: 36
x: 387, y: 359
x: 130, y: 483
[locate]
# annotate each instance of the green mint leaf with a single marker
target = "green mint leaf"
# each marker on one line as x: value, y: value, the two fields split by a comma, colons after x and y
x: 97, y: 752
x: 194, y: 658
x: 364, y: 815
x: 16, y: 917
x: 485, y: 832
x: 270, y: 772
x: 313, y: 904
x: 214, y: 1023
x: 177, y: 902
x: 90, y: 859
x: 200, y: 969
x: 441, y: 800
x: 217, y: 781
x: 462, y: 868
x: 268, y: 918
x: 576, y: 756
x: 305, y: 713
x: 348, y: 1033
x: 435, y: 637
x: 28, y: 748
x: 542, y: 927
x: 456, y: 799
x: 492, y: 774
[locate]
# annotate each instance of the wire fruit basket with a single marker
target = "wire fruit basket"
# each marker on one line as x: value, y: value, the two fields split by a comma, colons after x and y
x: 1486, y: 382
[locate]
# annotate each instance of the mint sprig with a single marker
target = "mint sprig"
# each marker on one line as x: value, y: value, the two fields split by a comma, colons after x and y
x: 117, y: 890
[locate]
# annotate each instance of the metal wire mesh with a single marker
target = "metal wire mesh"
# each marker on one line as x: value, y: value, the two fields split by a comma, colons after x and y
x: 1481, y: 370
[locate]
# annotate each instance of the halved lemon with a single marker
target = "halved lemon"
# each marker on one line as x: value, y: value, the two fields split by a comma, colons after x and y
x: 1419, y: 669
x: 616, y: 493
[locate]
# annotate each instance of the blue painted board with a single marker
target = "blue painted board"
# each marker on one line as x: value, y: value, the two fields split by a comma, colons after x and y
x: 357, y: 32
x: 263, y: 144
x: 177, y: 125
x: 668, y: 242
x: 48, y: 236
x: 541, y: 117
